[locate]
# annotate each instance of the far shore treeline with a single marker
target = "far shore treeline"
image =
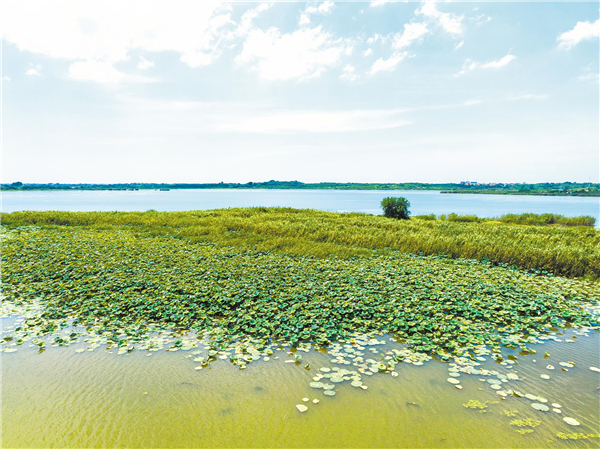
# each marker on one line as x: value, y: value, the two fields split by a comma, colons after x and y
x: 545, y: 188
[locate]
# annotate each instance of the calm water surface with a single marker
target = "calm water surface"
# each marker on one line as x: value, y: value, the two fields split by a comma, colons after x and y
x: 61, y: 398
x: 423, y: 202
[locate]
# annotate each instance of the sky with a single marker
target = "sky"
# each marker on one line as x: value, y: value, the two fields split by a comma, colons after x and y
x: 155, y: 91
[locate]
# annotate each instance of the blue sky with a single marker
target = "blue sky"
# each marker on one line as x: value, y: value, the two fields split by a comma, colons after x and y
x: 127, y: 91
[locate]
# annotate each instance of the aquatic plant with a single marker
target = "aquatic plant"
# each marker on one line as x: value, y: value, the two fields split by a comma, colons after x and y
x: 116, y: 278
x: 576, y: 436
x: 475, y: 404
x: 527, y: 422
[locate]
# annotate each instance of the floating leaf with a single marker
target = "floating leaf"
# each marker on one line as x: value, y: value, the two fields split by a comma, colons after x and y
x: 540, y: 407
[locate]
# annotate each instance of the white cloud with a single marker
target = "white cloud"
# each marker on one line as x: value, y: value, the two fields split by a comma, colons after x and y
x: 144, y: 64
x: 302, y: 54
x: 459, y: 45
x: 389, y: 64
x: 323, y: 8
x: 412, y: 32
x: 581, y: 32
x: 246, y: 21
x: 376, y: 38
x: 376, y: 3
x: 348, y: 73
x: 101, y: 72
x: 316, y: 122
x: 526, y: 97
x: 450, y: 22
x: 368, y: 52
x: 589, y: 77
x: 499, y: 63
x: 5, y: 78
x: 220, y: 117
x: 472, y: 65
x: 33, y: 72
x: 304, y: 19
x: 481, y: 19
x: 106, y: 32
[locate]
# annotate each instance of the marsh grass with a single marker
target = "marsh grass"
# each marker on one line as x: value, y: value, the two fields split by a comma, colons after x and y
x: 572, y: 251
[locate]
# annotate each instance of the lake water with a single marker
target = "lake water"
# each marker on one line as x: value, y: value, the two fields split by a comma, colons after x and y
x: 61, y: 398
x: 422, y: 202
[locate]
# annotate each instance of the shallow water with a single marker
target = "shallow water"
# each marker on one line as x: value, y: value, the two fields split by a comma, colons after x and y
x: 60, y: 398
x: 365, y: 201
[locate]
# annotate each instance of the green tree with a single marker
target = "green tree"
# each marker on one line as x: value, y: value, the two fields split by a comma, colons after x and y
x: 396, y: 207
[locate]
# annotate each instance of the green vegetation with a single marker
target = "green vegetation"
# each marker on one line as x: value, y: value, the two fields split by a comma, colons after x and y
x: 547, y: 219
x: 119, y: 279
x: 252, y: 273
x: 565, y: 251
x: 547, y: 188
x: 577, y: 436
x: 397, y: 208
x: 527, y: 422
x: 475, y: 404
x: 522, y: 219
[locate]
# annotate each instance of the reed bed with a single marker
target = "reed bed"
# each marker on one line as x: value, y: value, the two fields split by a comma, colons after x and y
x: 572, y: 251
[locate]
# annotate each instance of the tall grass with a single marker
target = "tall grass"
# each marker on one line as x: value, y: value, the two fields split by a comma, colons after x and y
x: 521, y: 219
x: 567, y: 251
x: 547, y: 219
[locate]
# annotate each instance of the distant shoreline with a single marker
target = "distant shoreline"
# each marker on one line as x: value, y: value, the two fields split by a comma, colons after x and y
x: 477, y: 192
x: 542, y: 189
x: 480, y: 192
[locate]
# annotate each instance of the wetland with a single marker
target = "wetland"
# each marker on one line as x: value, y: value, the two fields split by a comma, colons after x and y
x: 296, y: 328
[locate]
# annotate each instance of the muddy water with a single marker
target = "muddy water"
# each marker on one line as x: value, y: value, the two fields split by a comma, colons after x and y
x: 60, y: 398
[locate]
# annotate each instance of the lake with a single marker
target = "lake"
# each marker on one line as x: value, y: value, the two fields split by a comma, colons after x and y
x: 365, y: 201
x: 93, y: 395
x: 86, y: 396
